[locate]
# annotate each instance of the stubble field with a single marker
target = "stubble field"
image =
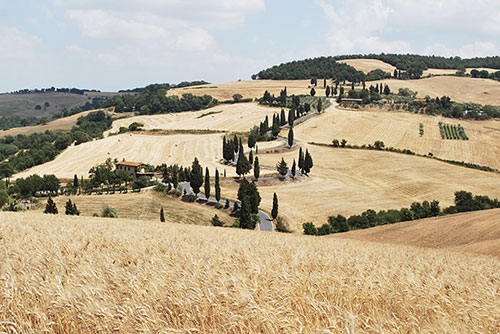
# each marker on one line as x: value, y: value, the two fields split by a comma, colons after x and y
x: 94, y: 275
x: 401, y: 130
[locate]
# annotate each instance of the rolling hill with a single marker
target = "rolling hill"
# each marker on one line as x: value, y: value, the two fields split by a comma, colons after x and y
x: 89, y: 275
x: 476, y: 232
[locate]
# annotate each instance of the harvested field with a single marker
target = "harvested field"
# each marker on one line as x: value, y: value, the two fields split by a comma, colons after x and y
x: 249, y: 89
x: 476, y: 232
x: 460, y: 89
x: 94, y: 275
x: 401, y: 130
x: 345, y: 181
x: 367, y: 65
x: 180, y: 149
x: 233, y: 117
x: 144, y: 206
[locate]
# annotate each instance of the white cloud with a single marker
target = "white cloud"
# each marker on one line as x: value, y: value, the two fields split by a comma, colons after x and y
x: 360, y: 26
x: 17, y: 45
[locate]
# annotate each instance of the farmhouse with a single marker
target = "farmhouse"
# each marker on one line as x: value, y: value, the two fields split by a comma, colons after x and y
x: 134, y: 169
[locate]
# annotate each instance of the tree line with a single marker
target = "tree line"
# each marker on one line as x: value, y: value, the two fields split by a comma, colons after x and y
x: 464, y: 201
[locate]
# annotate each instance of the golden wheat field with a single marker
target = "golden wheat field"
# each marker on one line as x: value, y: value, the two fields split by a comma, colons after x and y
x: 145, y: 205
x: 233, y: 117
x: 401, y: 130
x: 345, y: 181
x: 475, y: 232
x: 460, y: 89
x: 180, y: 149
x: 367, y: 65
x: 249, y: 89
x: 94, y: 275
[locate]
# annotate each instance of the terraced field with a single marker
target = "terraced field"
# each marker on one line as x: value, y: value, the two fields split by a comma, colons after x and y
x: 349, y: 182
x: 401, y: 130
x: 233, y: 117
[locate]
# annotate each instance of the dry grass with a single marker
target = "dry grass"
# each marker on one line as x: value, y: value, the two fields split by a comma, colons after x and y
x: 347, y: 182
x: 249, y: 89
x: 91, y: 275
x: 145, y: 206
x: 477, y: 232
x: 401, y: 130
x: 180, y: 149
x: 483, y: 91
x: 236, y: 117
x: 367, y: 65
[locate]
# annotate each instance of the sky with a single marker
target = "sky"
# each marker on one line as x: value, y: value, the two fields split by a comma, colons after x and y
x: 120, y: 44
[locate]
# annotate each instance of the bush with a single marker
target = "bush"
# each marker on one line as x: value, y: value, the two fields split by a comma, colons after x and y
x: 282, y: 225
x: 109, y: 212
x: 216, y: 221
x: 309, y: 229
x: 218, y: 206
x: 189, y: 198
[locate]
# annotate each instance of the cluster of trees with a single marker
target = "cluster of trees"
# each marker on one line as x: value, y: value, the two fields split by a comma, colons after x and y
x: 323, y: 67
x: 106, y: 176
x: 22, y: 152
x: 464, y: 201
x: 407, y: 67
x: 249, y: 197
x: 153, y: 100
x: 174, y: 174
x: 31, y: 185
x: 305, y: 164
x: 54, y: 90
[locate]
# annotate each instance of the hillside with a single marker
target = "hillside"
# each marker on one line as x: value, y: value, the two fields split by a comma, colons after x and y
x: 460, y: 89
x: 24, y: 104
x: 476, y: 232
x: 367, y: 65
x: 90, y: 275
x: 401, y: 130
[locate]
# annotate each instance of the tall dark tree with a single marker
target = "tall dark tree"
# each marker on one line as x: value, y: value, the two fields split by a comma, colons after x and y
x: 276, y: 128
x: 207, y: 183
x: 291, y: 117
x: 313, y: 91
x: 51, y: 207
x: 327, y: 91
x: 294, y: 169
x: 252, y: 140
x: 387, y: 90
x: 217, y: 186
x: 175, y: 177
x: 243, y: 165
x: 250, y: 157
x: 320, y: 105
x: 235, y: 144
x: 247, y: 219
x: 162, y: 215
x: 308, y: 162
x: 256, y: 168
x: 274, y: 211
x: 324, y: 83
x: 301, y: 160
x: 75, y: 182
x: 395, y: 73
x: 196, y: 176
x: 290, y: 137
x: 282, y: 119
x: 282, y: 168
x: 249, y: 190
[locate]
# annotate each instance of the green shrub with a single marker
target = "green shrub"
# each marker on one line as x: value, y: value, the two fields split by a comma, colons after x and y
x: 109, y: 212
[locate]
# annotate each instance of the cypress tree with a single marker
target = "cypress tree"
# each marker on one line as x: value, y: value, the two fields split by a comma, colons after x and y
x: 274, y: 211
x: 301, y: 160
x: 242, y: 166
x: 291, y: 117
x: 246, y: 219
x: 352, y: 85
x: 75, y: 182
x: 275, y: 130
x: 217, y: 186
x: 266, y: 124
x: 294, y: 169
x: 290, y: 137
x: 196, y: 176
x: 252, y: 140
x: 51, y: 207
x: 235, y: 144
x: 162, y: 215
x: 308, y: 162
x: 324, y: 83
x: 313, y: 91
x: 175, y: 177
x: 282, y: 120
x: 207, y: 183
x: 250, y: 157
x: 327, y: 92
x: 320, y: 105
x: 70, y: 209
x: 249, y: 191
x: 387, y: 90
x: 282, y: 168
x: 256, y: 168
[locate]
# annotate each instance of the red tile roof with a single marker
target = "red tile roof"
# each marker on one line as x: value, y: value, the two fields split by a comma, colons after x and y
x: 130, y: 164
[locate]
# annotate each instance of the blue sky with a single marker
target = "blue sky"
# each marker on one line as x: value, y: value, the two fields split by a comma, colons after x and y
x: 118, y: 44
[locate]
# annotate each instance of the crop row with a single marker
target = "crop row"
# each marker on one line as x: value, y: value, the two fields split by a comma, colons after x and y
x: 452, y: 132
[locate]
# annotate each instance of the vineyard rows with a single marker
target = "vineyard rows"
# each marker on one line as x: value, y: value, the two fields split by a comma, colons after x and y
x: 452, y: 132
